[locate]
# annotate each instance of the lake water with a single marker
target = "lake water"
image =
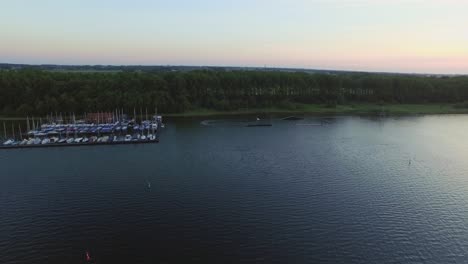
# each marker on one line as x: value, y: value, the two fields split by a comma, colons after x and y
x: 340, y: 190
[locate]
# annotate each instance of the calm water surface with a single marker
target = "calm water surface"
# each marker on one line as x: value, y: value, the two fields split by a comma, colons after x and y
x: 355, y: 190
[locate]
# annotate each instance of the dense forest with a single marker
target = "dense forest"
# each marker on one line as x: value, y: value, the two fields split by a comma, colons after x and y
x: 38, y: 92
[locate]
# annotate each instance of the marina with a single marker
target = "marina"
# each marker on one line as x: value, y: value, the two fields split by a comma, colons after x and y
x: 95, y: 129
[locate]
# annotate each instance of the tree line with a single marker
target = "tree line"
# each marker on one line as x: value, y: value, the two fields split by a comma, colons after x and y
x: 39, y: 92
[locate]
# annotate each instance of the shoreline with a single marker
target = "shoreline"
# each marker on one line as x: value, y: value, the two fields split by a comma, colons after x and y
x: 320, y: 110
x: 347, y: 109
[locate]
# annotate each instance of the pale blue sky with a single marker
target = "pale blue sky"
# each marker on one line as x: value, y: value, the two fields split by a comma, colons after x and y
x: 373, y: 35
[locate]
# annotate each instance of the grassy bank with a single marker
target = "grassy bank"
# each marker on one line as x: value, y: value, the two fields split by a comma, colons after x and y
x: 357, y: 109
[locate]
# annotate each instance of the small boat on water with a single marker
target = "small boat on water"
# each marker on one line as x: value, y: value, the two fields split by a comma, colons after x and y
x: 259, y: 123
x: 45, y: 141
x: 70, y: 140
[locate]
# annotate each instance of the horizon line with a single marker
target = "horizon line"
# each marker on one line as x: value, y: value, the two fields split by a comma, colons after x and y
x: 245, y: 67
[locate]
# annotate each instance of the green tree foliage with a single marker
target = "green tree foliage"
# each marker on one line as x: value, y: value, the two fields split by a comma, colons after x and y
x: 40, y: 92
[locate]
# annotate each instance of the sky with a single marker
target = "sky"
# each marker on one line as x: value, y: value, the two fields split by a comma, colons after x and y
x: 416, y: 36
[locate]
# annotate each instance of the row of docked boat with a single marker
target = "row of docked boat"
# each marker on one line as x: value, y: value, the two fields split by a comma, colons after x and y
x: 82, y: 133
x: 80, y: 140
x: 95, y: 129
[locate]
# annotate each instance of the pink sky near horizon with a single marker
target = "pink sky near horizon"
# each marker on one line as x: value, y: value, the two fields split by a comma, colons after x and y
x: 393, y: 36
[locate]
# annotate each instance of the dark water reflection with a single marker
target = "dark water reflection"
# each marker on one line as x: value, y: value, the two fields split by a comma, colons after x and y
x: 354, y: 190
